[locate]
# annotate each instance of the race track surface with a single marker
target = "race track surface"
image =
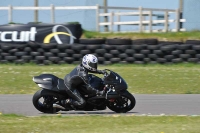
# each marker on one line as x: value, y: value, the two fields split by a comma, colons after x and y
x: 146, y: 104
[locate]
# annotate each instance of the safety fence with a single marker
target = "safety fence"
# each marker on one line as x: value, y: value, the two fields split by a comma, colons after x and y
x: 145, y: 17
x: 137, y: 52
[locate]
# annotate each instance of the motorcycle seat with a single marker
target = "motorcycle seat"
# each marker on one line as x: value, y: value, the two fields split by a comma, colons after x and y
x: 39, y: 80
x: 45, y: 79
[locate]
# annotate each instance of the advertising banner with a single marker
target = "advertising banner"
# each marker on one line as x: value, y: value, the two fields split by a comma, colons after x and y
x: 41, y: 33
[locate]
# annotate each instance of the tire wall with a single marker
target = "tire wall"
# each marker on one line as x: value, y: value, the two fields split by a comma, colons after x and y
x: 133, y: 51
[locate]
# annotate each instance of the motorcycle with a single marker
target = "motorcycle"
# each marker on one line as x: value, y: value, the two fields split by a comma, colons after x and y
x: 52, y: 95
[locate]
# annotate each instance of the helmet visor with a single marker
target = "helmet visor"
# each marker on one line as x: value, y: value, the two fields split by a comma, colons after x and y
x: 93, y: 65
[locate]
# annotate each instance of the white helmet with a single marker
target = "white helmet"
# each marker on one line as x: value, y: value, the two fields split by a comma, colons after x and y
x: 90, y: 62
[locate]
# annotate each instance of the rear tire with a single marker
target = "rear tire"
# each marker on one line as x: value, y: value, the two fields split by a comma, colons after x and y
x: 123, y: 104
x: 48, y: 99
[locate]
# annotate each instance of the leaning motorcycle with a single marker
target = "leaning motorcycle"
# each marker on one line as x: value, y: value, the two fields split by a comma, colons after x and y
x: 52, y: 95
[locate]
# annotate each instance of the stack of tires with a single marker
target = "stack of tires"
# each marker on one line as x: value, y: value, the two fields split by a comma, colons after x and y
x: 12, y: 53
x: 129, y: 51
x: 140, y: 51
x: 177, y: 52
x: 58, y: 54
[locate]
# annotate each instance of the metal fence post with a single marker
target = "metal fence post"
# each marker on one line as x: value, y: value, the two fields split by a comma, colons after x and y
x: 52, y: 14
x: 166, y: 21
x: 10, y: 14
x: 150, y: 21
x: 178, y: 20
x: 97, y: 18
x: 140, y: 19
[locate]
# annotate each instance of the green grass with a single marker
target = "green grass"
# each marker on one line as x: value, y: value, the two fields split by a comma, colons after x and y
x: 99, y: 124
x: 141, y: 79
x: 170, y: 36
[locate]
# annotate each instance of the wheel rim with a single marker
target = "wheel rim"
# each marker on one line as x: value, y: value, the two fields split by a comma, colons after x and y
x: 120, y: 104
x: 47, y: 101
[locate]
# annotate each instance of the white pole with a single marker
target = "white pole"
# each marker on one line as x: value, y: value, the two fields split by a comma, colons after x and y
x: 111, y: 21
x: 166, y: 21
x: 97, y: 18
x: 52, y: 14
x: 150, y: 21
x: 178, y: 20
x: 118, y: 20
x: 140, y: 19
x: 36, y: 11
x: 10, y: 14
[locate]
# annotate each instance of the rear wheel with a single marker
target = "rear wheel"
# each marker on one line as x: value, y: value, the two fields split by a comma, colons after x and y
x: 123, y: 104
x: 43, y: 101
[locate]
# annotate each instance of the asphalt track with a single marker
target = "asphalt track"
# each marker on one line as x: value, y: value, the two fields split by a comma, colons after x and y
x: 147, y: 104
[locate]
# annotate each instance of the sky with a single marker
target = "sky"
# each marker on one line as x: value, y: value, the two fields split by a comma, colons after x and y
x: 86, y: 18
x: 191, y: 14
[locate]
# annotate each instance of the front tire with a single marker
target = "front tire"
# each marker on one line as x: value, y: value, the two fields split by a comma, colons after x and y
x: 123, y: 104
x: 43, y: 101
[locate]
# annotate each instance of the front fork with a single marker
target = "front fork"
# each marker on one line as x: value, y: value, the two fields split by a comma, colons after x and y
x: 111, y: 94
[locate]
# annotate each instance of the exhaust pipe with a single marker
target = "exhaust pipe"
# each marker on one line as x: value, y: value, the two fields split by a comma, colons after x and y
x: 58, y: 106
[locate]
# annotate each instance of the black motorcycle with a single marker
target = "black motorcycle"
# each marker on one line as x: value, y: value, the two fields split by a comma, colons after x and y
x: 52, y: 95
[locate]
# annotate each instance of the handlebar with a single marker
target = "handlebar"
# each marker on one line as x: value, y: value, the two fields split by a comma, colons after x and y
x: 105, y: 72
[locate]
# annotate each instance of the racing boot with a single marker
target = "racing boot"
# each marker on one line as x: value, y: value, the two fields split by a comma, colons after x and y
x: 69, y: 104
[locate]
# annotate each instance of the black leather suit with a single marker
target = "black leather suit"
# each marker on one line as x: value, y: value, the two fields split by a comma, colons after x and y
x: 72, y: 80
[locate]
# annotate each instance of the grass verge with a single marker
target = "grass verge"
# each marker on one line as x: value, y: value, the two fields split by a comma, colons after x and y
x: 99, y: 124
x: 141, y: 79
x: 170, y: 36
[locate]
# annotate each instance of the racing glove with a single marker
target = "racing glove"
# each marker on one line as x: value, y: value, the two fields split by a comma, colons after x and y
x: 101, y: 71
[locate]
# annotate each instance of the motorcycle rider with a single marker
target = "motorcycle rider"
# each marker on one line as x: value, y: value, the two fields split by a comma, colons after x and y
x: 79, y: 75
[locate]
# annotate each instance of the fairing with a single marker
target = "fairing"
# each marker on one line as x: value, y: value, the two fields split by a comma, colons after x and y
x: 116, y: 81
x: 50, y: 82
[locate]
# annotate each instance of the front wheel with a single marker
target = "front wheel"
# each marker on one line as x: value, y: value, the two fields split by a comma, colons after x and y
x: 123, y: 104
x: 43, y: 101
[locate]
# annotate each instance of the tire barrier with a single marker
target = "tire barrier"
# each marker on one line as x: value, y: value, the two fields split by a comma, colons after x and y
x: 92, y: 41
x: 162, y: 53
x: 145, y: 41
x: 118, y: 41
